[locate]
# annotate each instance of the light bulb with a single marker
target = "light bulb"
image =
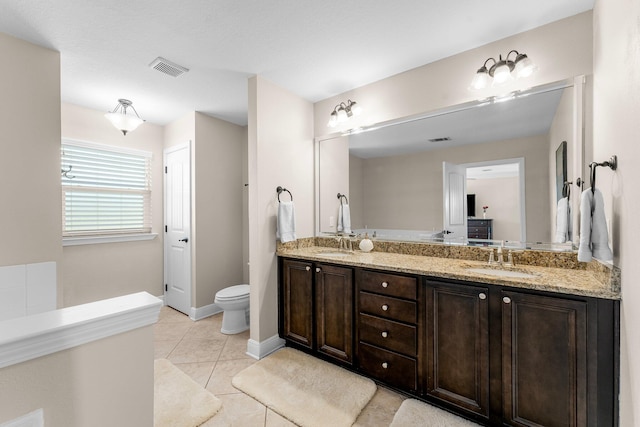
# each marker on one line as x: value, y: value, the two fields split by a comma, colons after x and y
x: 356, y: 109
x: 333, y: 120
x: 480, y: 80
x: 502, y: 74
x: 524, y: 66
x: 342, y: 115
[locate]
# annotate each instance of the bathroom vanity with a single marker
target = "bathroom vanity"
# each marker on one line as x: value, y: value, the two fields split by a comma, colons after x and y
x: 533, y: 346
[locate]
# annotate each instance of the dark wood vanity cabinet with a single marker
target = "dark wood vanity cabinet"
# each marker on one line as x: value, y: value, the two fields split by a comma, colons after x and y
x: 457, y: 342
x: 544, y: 360
x: 387, y: 328
x: 316, y: 308
x: 501, y: 356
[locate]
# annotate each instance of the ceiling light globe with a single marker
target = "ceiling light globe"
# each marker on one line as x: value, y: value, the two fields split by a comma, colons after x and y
x: 480, y: 80
x: 524, y: 66
x: 502, y: 74
x: 342, y: 115
x: 123, y: 122
x: 356, y: 109
x: 333, y: 120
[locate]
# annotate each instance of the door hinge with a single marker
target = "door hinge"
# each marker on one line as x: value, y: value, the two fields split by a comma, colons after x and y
x: 166, y: 287
x: 165, y: 229
x: 165, y: 169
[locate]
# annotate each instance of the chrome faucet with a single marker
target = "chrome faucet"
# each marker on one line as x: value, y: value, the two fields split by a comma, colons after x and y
x: 345, y: 243
x: 500, y: 256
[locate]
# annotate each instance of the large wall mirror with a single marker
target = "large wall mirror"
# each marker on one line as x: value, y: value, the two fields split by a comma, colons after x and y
x: 483, y: 171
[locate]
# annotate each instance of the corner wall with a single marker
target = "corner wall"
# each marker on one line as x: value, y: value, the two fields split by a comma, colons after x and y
x: 617, y: 131
x: 280, y: 153
x: 30, y: 160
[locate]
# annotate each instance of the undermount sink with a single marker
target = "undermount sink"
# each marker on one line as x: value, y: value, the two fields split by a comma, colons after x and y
x: 502, y: 273
x: 335, y: 254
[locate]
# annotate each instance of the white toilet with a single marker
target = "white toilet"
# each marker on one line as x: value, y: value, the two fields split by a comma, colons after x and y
x: 234, y: 300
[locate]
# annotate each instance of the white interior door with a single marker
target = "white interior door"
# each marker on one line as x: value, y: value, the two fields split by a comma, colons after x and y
x: 455, y: 201
x: 177, y: 238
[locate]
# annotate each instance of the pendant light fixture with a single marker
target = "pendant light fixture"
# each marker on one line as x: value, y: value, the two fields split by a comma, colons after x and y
x: 342, y: 112
x: 503, y: 70
x: 121, y: 120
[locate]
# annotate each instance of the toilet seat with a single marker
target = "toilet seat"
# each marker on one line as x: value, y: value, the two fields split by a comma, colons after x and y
x: 233, y: 293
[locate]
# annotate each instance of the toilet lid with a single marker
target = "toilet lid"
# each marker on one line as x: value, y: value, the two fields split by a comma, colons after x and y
x: 233, y: 292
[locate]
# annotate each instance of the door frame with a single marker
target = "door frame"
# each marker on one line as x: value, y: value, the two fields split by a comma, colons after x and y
x: 165, y: 152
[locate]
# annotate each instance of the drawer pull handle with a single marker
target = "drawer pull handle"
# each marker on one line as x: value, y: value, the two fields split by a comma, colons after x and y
x: 506, y: 300
x: 385, y: 365
x: 385, y: 284
x: 385, y: 334
x: 318, y: 270
x: 385, y: 307
x: 307, y: 268
x: 482, y: 295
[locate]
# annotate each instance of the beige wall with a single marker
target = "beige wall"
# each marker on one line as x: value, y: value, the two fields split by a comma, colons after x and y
x: 30, y: 160
x: 104, y: 383
x: 218, y: 191
x: 334, y: 169
x: 411, y: 197
x: 280, y: 153
x: 616, y: 131
x: 562, y: 49
x: 502, y: 195
x: 100, y: 271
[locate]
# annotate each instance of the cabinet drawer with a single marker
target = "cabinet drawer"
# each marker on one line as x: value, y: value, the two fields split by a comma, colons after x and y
x: 388, y: 307
x: 391, y: 368
x: 388, y: 334
x: 388, y: 284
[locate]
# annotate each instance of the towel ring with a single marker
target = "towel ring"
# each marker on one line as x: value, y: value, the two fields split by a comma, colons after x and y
x: 280, y: 190
x: 342, y: 196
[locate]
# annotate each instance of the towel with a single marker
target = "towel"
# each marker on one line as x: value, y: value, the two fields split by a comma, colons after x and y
x: 344, y: 218
x: 594, y: 238
x: 563, y: 221
x: 286, y: 222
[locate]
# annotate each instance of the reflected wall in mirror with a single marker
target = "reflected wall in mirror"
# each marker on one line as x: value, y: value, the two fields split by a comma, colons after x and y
x: 393, y: 173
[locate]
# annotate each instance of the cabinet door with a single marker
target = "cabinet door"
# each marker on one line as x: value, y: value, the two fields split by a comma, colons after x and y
x: 334, y: 311
x: 544, y: 372
x: 297, y: 302
x: 458, y: 345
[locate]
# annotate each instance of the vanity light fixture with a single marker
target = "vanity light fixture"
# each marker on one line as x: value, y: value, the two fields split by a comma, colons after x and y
x: 121, y: 120
x: 503, y: 70
x: 342, y: 112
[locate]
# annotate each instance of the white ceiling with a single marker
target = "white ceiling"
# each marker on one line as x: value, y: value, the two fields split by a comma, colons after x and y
x: 315, y: 49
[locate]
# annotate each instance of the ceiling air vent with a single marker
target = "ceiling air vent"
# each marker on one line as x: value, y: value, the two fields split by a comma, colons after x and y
x: 446, y: 138
x: 168, y: 67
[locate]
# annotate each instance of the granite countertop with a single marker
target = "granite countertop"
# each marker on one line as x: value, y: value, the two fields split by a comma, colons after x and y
x: 562, y: 280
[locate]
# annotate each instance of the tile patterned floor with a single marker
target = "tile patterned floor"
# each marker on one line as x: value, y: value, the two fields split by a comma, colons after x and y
x: 212, y: 359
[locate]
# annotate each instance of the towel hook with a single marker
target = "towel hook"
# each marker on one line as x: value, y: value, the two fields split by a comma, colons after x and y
x: 611, y: 163
x: 65, y: 173
x: 343, y: 196
x: 566, y: 189
x: 280, y: 190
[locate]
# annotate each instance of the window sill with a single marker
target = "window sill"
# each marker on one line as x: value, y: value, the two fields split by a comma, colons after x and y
x: 116, y: 238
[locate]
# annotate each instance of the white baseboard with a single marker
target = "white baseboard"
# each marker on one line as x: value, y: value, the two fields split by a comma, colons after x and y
x: 206, y: 311
x: 258, y: 350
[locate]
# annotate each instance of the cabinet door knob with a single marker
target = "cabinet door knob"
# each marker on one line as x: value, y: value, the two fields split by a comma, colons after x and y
x: 482, y: 295
x: 385, y: 365
x: 385, y: 334
x: 506, y: 300
x: 385, y: 284
x: 307, y: 268
x: 385, y: 307
x: 318, y: 270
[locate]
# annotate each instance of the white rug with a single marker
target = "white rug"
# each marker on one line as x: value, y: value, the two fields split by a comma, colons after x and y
x: 307, y: 391
x: 178, y: 400
x: 415, y: 413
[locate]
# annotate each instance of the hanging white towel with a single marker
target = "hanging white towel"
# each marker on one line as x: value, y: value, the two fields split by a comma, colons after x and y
x: 594, y: 238
x: 344, y: 218
x: 286, y: 222
x: 563, y: 221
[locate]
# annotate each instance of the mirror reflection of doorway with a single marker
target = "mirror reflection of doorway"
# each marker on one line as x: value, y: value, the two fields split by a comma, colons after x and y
x: 499, y: 195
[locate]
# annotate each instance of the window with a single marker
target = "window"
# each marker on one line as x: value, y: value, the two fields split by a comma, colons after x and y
x: 106, y: 190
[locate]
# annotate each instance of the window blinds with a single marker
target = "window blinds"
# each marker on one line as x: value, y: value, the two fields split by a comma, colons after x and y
x: 105, y: 190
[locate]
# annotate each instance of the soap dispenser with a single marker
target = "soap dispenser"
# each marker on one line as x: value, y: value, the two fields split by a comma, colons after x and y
x: 366, y: 245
